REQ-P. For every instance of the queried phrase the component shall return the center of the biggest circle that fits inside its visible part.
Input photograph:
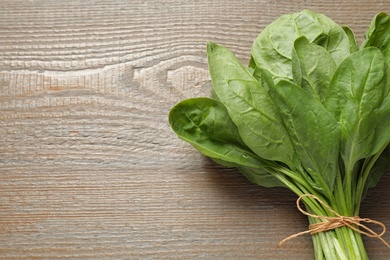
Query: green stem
(350, 239)
(330, 245)
(349, 184)
(298, 188)
(341, 243)
(341, 208)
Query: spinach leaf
(356, 98)
(263, 76)
(312, 67)
(205, 124)
(265, 79)
(381, 165)
(224, 66)
(251, 65)
(314, 132)
(353, 46)
(272, 49)
(378, 34)
(261, 177)
(250, 107)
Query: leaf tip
(211, 46)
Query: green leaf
(250, 107)
(378, 34)
(314, 132)
(225, 163)
(358, 97)
(251, 65)
(380, 167)
(205, 124)
(272, 49)
(312, 67)
(353, 47)
(264, 77)
(261, 177)
(224, 66)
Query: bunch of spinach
(311, 113)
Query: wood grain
(89, 167)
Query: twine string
(329, 223)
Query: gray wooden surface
(89, 167)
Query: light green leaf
(378, 34)
(205, 124)
(251, 65)
(264, 77)
(314, 133)
(353, 47)
(272, 49)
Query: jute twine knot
(329, 223)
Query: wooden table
(89, 167)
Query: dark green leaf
(313, 130)
(250, 106)
(380, 167)
(312, 67)
(224, 66)
(260, 177)
(358, 97)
